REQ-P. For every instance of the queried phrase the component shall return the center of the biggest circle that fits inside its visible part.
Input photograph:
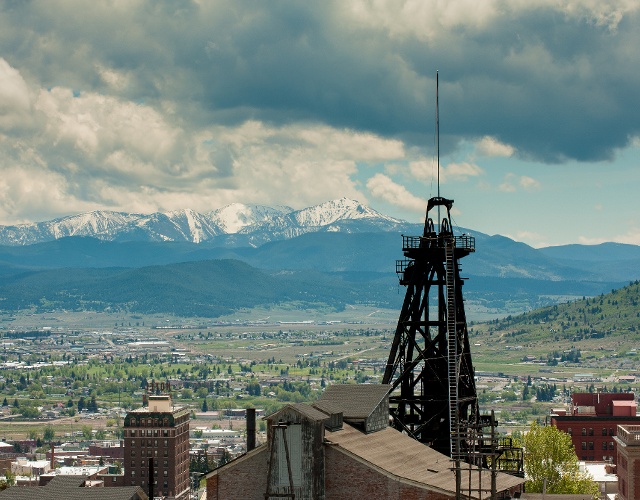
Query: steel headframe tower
(433, 395)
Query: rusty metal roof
(398, 455)
(305, 409)
(356, 401)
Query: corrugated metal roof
(407, 459)
(357, 401)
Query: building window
(133, 433)
(584, 431)
(133, 473)
(569, 431)
(584, 445)
(611, 445)
(610, 431)
(165, 433)
(590, 431)
(604, 445)
(604, 431)
(591, 445)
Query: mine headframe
(433, 395)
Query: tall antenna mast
(438, 136)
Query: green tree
(549, 458)
(205, 408)
(49, 433)
(86, 432)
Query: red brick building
(342, 447)
(156, 448)
(628, 468)
(593, 420)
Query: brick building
(342, 447)
(593, 420)
(110, 450)
(628, 468)
(156, 448)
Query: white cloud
(512, 182)
(490, 146)
(461, 171)
(631, 237)
(15, 101)
(528, 183)
(531, 238)
(426, 19)
(423, 170)
(384, 188)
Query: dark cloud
(553, 84)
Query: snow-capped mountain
(237, 216)
(250, 224)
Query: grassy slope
(605, 329)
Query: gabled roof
(306, 410)
(406, 459)
(356, 401)
(71, 488)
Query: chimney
(251, 429)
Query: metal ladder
(452, 351)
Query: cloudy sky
(144, 106)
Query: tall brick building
(593, 420)
(156, 448)
(342, 447)
(628, 468)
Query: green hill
(597, 333)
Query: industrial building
(156, 447)
(343, 447)
(593, 420)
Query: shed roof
(356, 401)
(401, 456)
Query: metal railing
(464, 242)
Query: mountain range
(332, 254)
(236, 224)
